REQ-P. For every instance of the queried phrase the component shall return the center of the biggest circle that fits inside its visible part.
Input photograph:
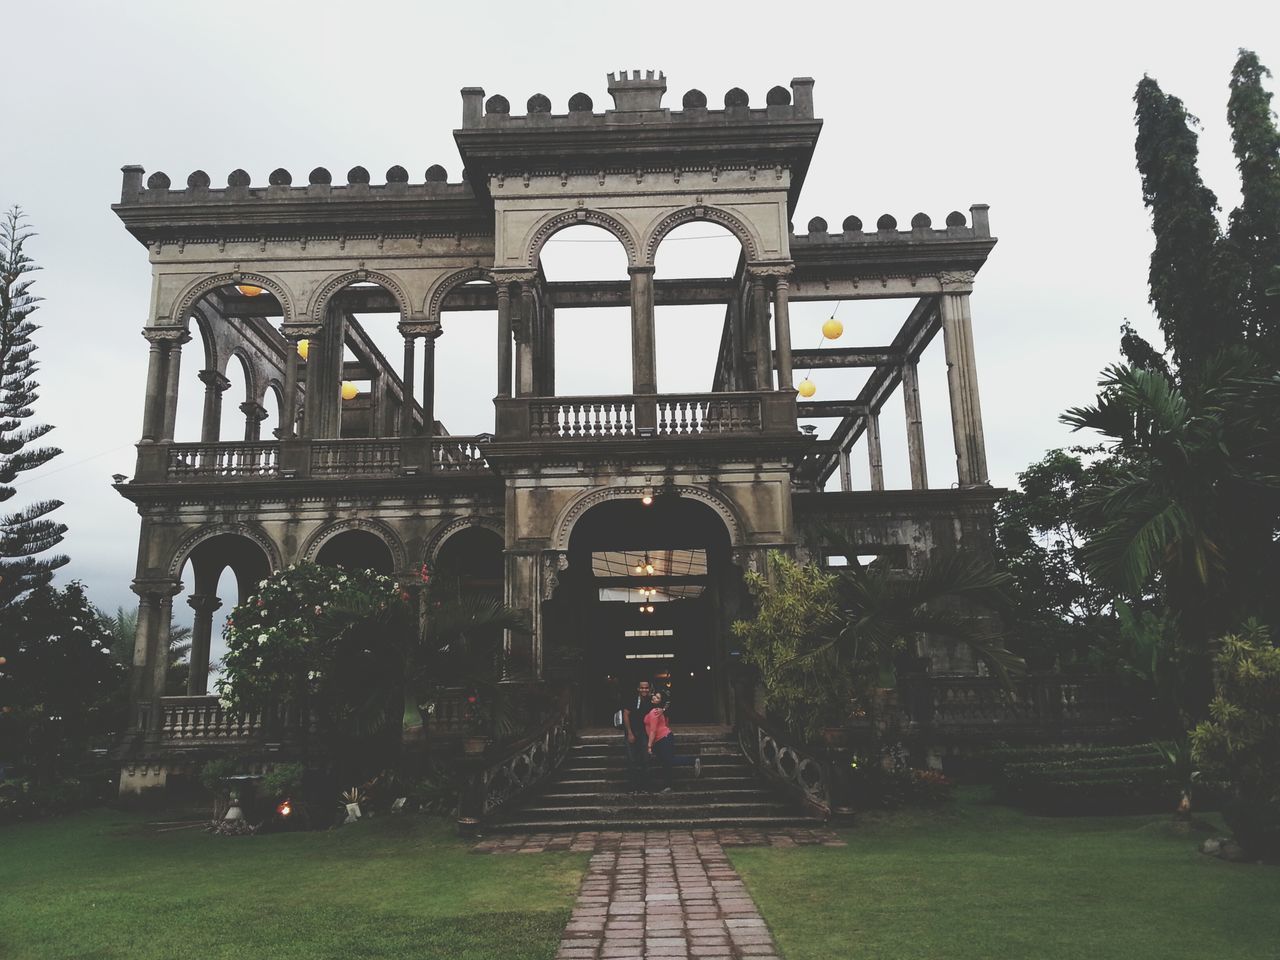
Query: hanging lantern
(349, 390)
(832, 329)
(304, 347)
(807, 388)
(248, 290)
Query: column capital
(156, 589)
(956, 281)
(254, 411)
(212, 378)
(412, 329)
(169, 334)
(293, 332)
(770, 269)
(203, 603)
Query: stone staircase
(589, 791)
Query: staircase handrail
(502, 776)
(784, 760)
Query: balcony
(745, 414)
(355, 458)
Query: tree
(1192, 509)
(1059, 610)
(828, 633)
(1191, 276)
(28, 532)
(123, 629)
(60, 687)
(1254, 230)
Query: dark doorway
(649, 593)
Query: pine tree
(1191, 277)
(1254, 229)
(28, 531)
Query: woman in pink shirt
(662, 742)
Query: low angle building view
(596, 486)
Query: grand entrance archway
(649, 592)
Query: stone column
(782, 330)
(429, 381)
(525, 336)
(406, 401)
(254, 414)
(153, 406)
(644, 363)
(962, 380)
(215, 385)
(204, 606)
(760, 326)
(846, 470)
(915, 426)
(504, 339)
(172, 368)
(874, 459)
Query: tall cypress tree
(1254, 229)
(27, 532)
(1191, 274)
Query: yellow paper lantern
(832, 329)
(249, 290)
(349, 390)
(807, 388)
(304, 347)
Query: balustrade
(355, 457)
(231, 459)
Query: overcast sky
(927, 107)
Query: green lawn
(982, 882)
(100, 885)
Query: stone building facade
(568, 491)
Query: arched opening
(592, 344)
(688, 333)
(357, 550)
(466, 359)
(471, 560)
(219, 573)
(650, 592)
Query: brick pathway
(670, 894)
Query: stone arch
(571, 218)
(732, 223)
(186, 300)
(574, 510)
(446, 285)
(256, 534)
(334, 284)
(376, 527)
(449, 528)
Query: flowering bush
(288, 643)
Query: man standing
(633, 714)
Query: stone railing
(799, 769)
(1038, 702)
(355, 458)
(642, 416)
(233, 459)
(202, 719)
(502, 776)
(460, 454)
(708, 413)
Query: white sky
(927, 107)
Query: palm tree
(123, 628)
(1192, 510)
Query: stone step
(647, 823)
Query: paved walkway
(670, 894)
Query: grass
(101, 885)
(981, 881)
